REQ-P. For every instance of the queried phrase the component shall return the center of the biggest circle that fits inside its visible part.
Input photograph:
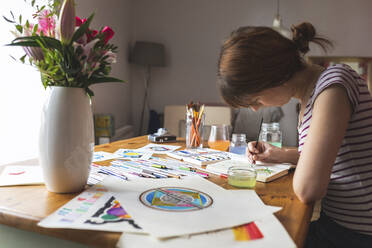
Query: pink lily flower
(79, 22)
(35, 53)
(47, 23)
(108, 33)
(66, 24)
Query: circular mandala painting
(175, 199)
(159, 148)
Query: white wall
(193, 30)
(114, 98)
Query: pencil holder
(194, 131)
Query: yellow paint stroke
(241, 233)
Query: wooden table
(24, 206)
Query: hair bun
(302, 35)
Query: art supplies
(157, 148)
(219, 138)
(93, 209)
(258, 136)
(21, 175)
(132, 154)
(163, 216)
(264, 232)
(242, 176)
(145, 166)
(266, 172)
(183, 168)
(200, 156)
(102, 156)
(95, 176)
(194, 125)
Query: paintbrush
(258, 136)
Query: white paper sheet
(158, 148)
(93, 209)
(132, 154)
(21, 175)
(274, 234)
(204, 208)
(102, 156)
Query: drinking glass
(219, 137)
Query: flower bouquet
(63, 47)
(70, 57)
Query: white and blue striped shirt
(349, 195)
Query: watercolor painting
(175, 199)
(111, 212)
(132, 154)
(247, 232)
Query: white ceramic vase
(66, 140)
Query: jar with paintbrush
(195, 117)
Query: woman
(257, 68)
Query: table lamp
(147, 54)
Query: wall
(112, 98)
(193, 30)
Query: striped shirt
(349, 195)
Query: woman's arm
(269, 153)
(330, 117)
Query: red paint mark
(253, 231)
(81, 199)
(17, 173)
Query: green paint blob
(109, 217)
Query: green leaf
(27, 24)
(34, 30)
(23, 58)
(25, 43)
(6, 19)
(97, 80)
(33, 3)
(82, 29)
(20, 19)
(19, 28)
(42, 41)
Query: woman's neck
(304, 81)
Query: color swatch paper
(93, 209)
(172, 207)
(132, 154)
(102, 156)
(21, 175)
(272, 231)
(158, 148)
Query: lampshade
(148, 53)
(278, 26)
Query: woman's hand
(264, 152)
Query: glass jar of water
(270, 133)
(238, 144)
